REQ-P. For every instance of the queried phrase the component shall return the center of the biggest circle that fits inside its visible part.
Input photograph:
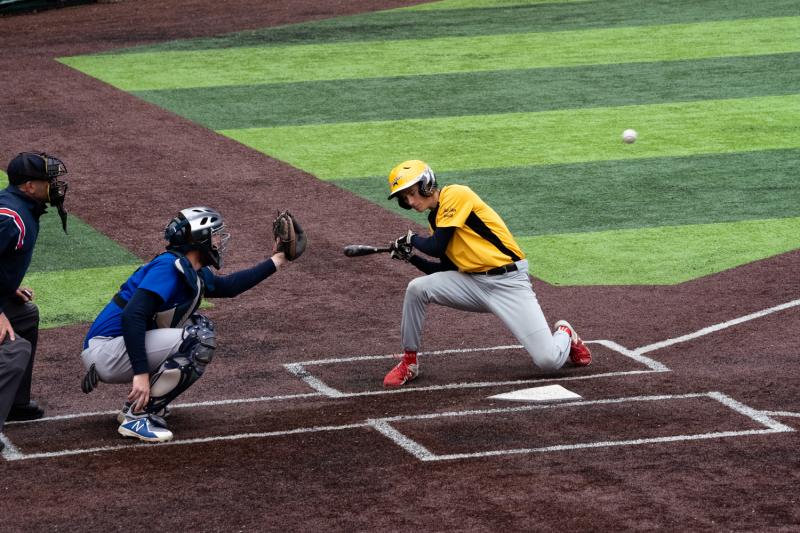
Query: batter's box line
(419, 451)
(299, 369)
(716, 327)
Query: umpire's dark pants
(16, 357)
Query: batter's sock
(410, 357)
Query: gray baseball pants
(508, 296)
(111, 360)
(16, 357)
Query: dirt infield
(678, 427)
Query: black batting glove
(401, 248)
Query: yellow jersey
(481, 240)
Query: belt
(119, 300)
(511, 267)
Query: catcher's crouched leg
(183, 368)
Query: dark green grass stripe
(404, 24)
(482, 92)
(627, 194)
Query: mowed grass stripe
(74, 275)
(657, 256)
(492, 20)
(70, 296)
(473, 93)
(284, 64)
(83, 247)
(334, 151)
(606, 195)
(480, 4)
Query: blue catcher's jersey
(172, 278)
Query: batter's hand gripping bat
(356, 250)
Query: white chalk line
(383, 426)
(716, 327)
(199, 440)
(334, 360)
(422, 453)
(411, 446)
(320, 386)
(10, 452)
(484, 384)
(568, 447)
(781, 413)
(209, 403)
(637, 354)
(322, 389)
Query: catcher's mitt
(290, 237)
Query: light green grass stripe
(657, 256)
(479, 4)
(242, 66)
(627, 194)
(67, 297)
(470, 93)
(337, 151)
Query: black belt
(511, 267)
(119, 300)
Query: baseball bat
(356, 250)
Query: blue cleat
(144, 429)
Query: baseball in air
(629, 136)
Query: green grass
(525, 102)
(70, 296)
(470, 19)
(472, 4)
(337, 151)
(74, 275)
(597, 196)
(466, 93)
(353, 60)
(648, 256)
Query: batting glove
(401, 248)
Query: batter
(481, 268)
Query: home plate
(538, 394)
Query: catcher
(150, 335)
(481, 269)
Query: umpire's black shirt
(19, 228)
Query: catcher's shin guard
(185, 367)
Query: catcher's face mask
(219, 244)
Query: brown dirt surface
(282, 456)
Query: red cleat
(405, 371)
(579, 353)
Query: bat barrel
(356, 250)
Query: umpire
(33, 183)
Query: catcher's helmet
(407, 174)
(198, 228)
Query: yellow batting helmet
(407, 174)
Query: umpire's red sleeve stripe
(13, 215)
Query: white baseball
(629, 136)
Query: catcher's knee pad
(199, 340)
(186, 366)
